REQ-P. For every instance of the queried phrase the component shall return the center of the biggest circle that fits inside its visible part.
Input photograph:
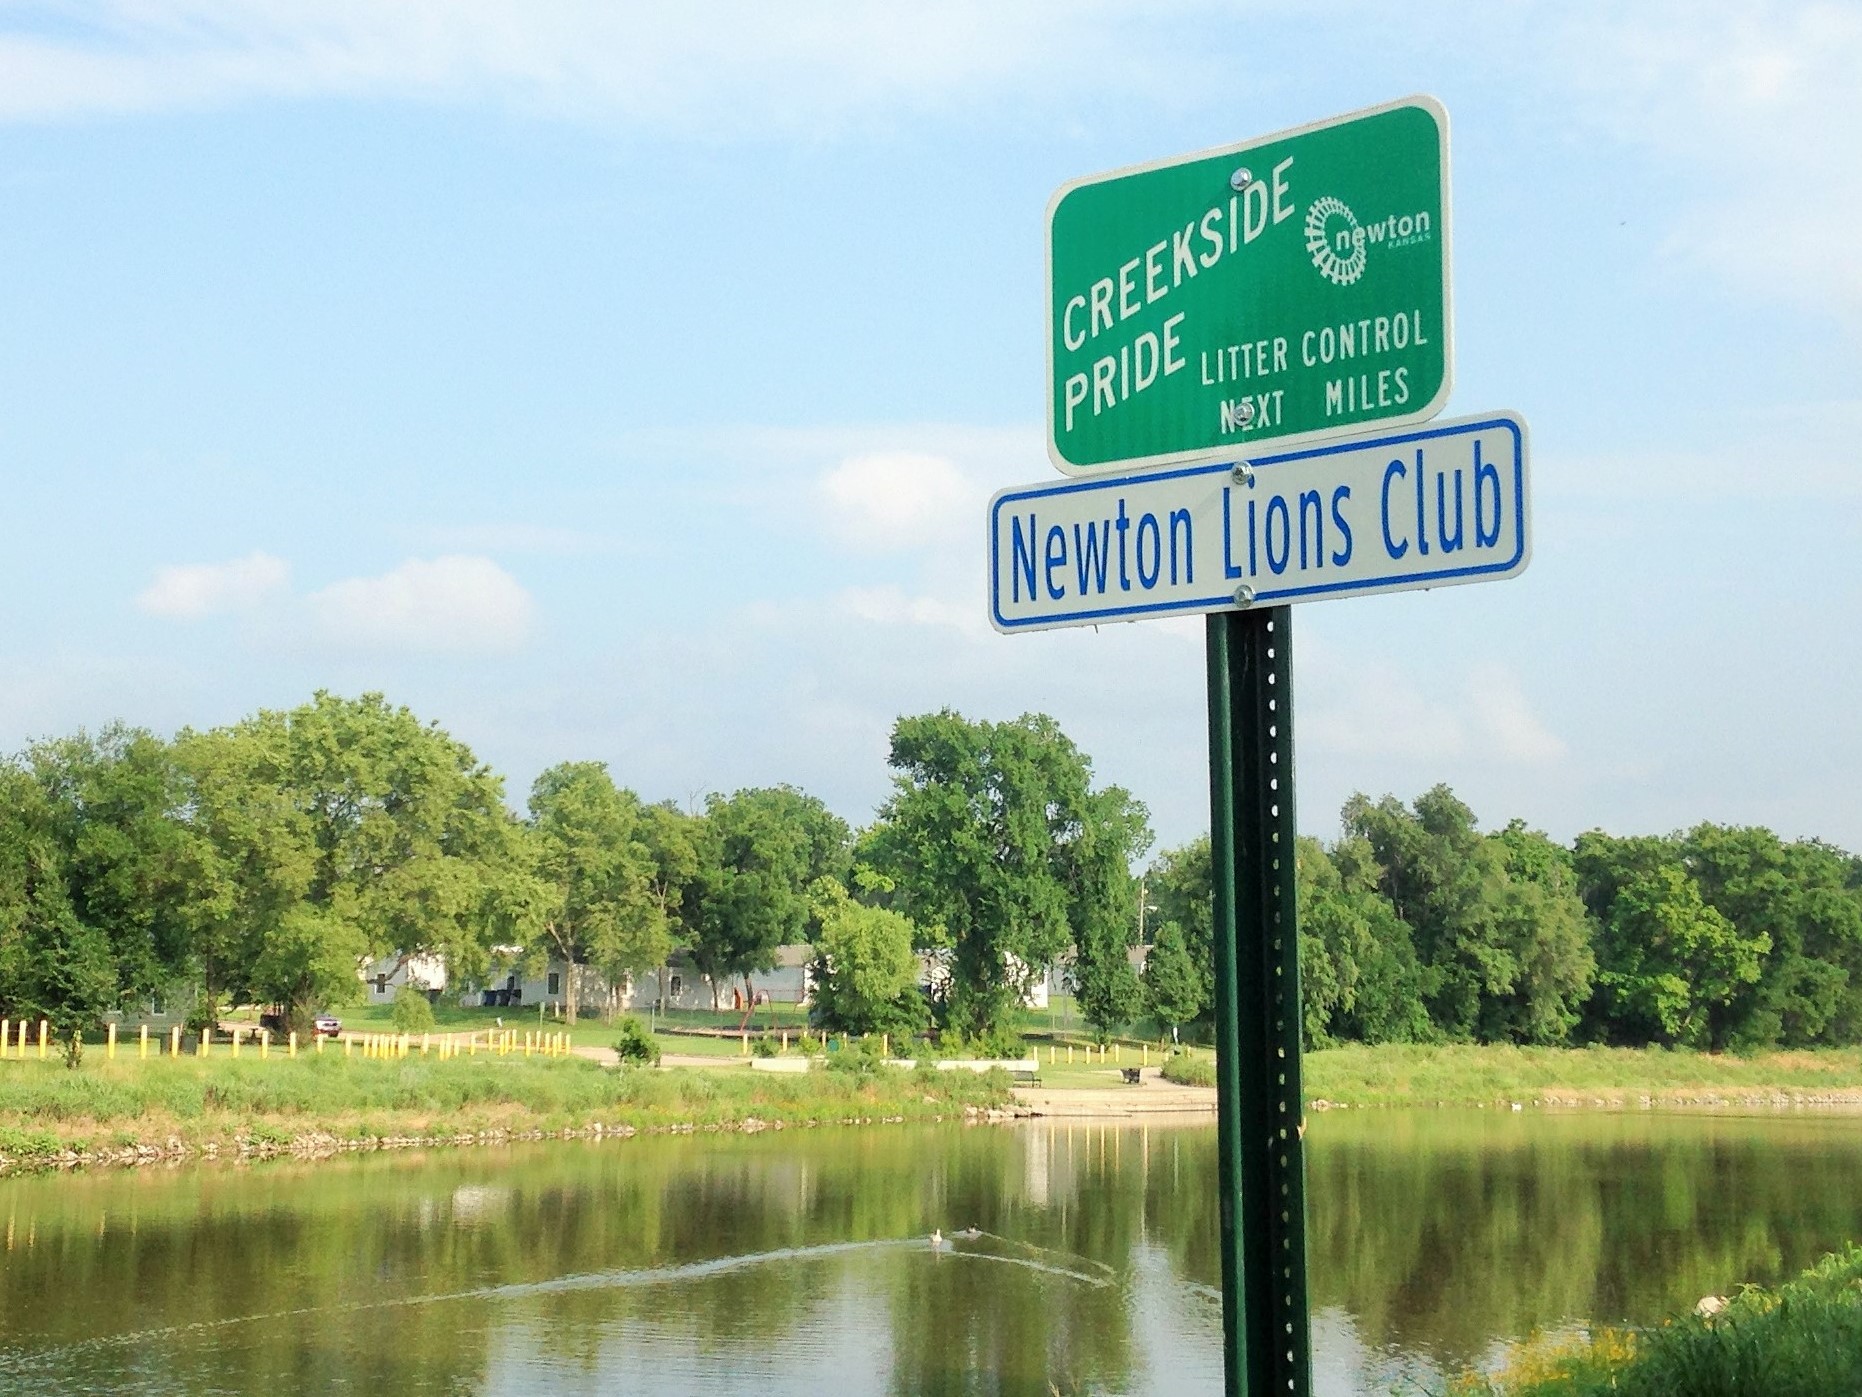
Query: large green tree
(866, 967)
(346, 828)
(758, 852)
(590, 846)
(1177, 888)
(1669, 964)
(998, 845)
(1359, 977)
(1498, 930)
(1803, 896)
(133, 865)
(53, 965)
(1172, 983)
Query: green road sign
(1279, 290)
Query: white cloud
(1502, 721)
(453, 604)
(708, 64)
(891, 606)
(1381, 713)
(888, 501)
(517, 538)
(189, 591)
(1762, 99)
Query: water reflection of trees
(1435, 1232)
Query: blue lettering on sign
(1278, 565)
(1391, 546)
(1229, 571)
(1056, 560)
(1181, 517)
(1342, 558)
(1021, 558)
(1485, 475)
(1147, 577)
(1302, 527)
(1092, 550)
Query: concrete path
(1154, 1097)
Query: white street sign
(1429, 507)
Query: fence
(17, 1040)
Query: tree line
(1415, 927)
(267, 860)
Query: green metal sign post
(1288, 289)
(1266, 1333)
(1284, 289)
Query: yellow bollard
(526, 1043)
(785, 1040)
(346, 1041)
(174, 1041)
(423, 1044)
(885, 1045)
(293, 1043)
(109, 1040)
(1118, 1052)
(1144, 1054)
(206, 1042)
(317, 1038)
(45, 1033)
(236, 1033)
(142, 1042)
(265, 1043)
(1069, 1052)
(471, 1045)
(5, 1028)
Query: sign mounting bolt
(1244, 595)
(1241, 179)
(1243, 473)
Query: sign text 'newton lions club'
(1426, 507)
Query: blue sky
(628, 383)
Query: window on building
(158, 1004)
(677, 986)
(555, 982)
(381, 984)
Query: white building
(679, 984)
(386, 976)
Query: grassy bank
(51, 1115)
(1465, 1075)
(1803, 1339)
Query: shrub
(412, 1012)
(1001, 1042)
(766, 1046)
(862, 1056)
(635, 1042)
(1188, 1071)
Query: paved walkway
(1154, 1097)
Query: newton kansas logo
(1339, 244)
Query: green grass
(585, 1032)
(1803, 1339)
(46, 1108)
(1469, 1075)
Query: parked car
(328, 1025)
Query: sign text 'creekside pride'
(1286, 289)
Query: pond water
(796, 1262)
